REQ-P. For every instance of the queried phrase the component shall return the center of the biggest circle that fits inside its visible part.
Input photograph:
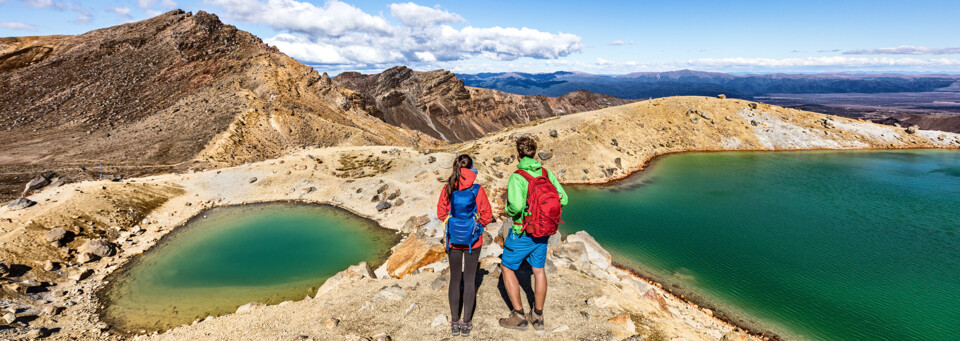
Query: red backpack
(543, 205)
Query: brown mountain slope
(174, 91)
(437, 103)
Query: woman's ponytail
(453, 183)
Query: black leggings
(463, 266)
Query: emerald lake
(229, 256)
(825, 245)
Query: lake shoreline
(725, 312)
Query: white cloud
(169, 4)
(912, 50)
(334, 18)
(121, 11)
(339, 34)
(13, 25)
(414, 15)
(84, 16)
(603, 62)
(146, 3)
(835, 61)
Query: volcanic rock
(99, 247)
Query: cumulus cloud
(121, 11)
(334, 18)
(912, 50)
(411, 14)
(84, 16)
(19, 26)
(338, 33)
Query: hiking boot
(535, 320)
(515, 321)
(455, 328)
(465, 328)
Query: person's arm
(484, 212)
(560, 191)
(443, 204)
(516, 196)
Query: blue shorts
(517, 248)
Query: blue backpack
(462, 225)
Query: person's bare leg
(540, 287)
(513, 288)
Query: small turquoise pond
(852, 245)
(229, 256)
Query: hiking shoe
(515, 321)
(535, 320)
(465, 328)
(455, 328)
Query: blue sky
(546, 36)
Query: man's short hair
(526, 147)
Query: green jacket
(517, 191)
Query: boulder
(439, 320)
(20, 204)
(331, 323)
(597, 255)
(354, 272)
(383, 205)
(912, 129)
(414, 222)
(634, 285)
(553, 133)
(55, 235)
(413, 253)
(603, 301)
(754, 123)
(252, 179)
(752, 105)
(576, 253)
(431, 159)
(35, 184)
(736, 336)
(439, 283)
(722, 96)
(9, 318)
(246, 308)
(391, 293)
(657, 299)
(80, 274)
(37, 333)
(398, 202)
(48, 265)
(99, 247)
(362, 269)
(624, 322)
(60, 181)
(618, 162)
(85, 257)
(544, 155)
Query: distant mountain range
(643, 85)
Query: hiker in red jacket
(464, 208)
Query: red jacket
(484, 213)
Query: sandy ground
(583, 151)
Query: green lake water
(229, 256)
(855, 245)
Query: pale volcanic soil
(588, 298)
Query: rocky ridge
(173, 92)
(438, 104)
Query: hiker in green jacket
(519, 245)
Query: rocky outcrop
(439, 104)
(413, 253)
